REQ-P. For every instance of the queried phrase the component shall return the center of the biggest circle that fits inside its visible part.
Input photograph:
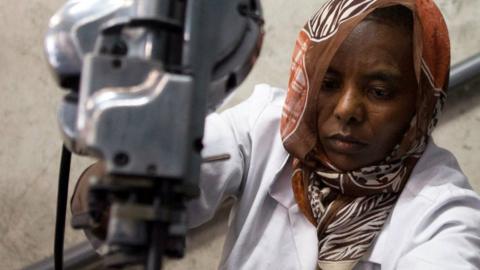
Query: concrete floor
(30, 143)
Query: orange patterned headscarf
(350, 208)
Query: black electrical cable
(62, 196)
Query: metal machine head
(143, 74)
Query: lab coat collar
(281, 189)
(304, 233)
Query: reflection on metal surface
(465, 71)
(111, 97)
(73, 30)
(221, 157)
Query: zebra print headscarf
(350, 208)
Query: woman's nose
(350, 108)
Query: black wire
(62, 197)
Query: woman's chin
(346, 163)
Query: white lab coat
(434, 225)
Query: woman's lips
(345, 144)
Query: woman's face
(368, 95)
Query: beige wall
(30, 143)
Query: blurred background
(30, 143)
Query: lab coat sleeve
(449, 236)
(226, 133)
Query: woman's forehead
(376, 45)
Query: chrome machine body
(141, 76)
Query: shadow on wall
(461, 100)
(463, 94)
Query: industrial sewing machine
(141, 75)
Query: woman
(352, 137)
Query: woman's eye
(330, 84)
(380, 93)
